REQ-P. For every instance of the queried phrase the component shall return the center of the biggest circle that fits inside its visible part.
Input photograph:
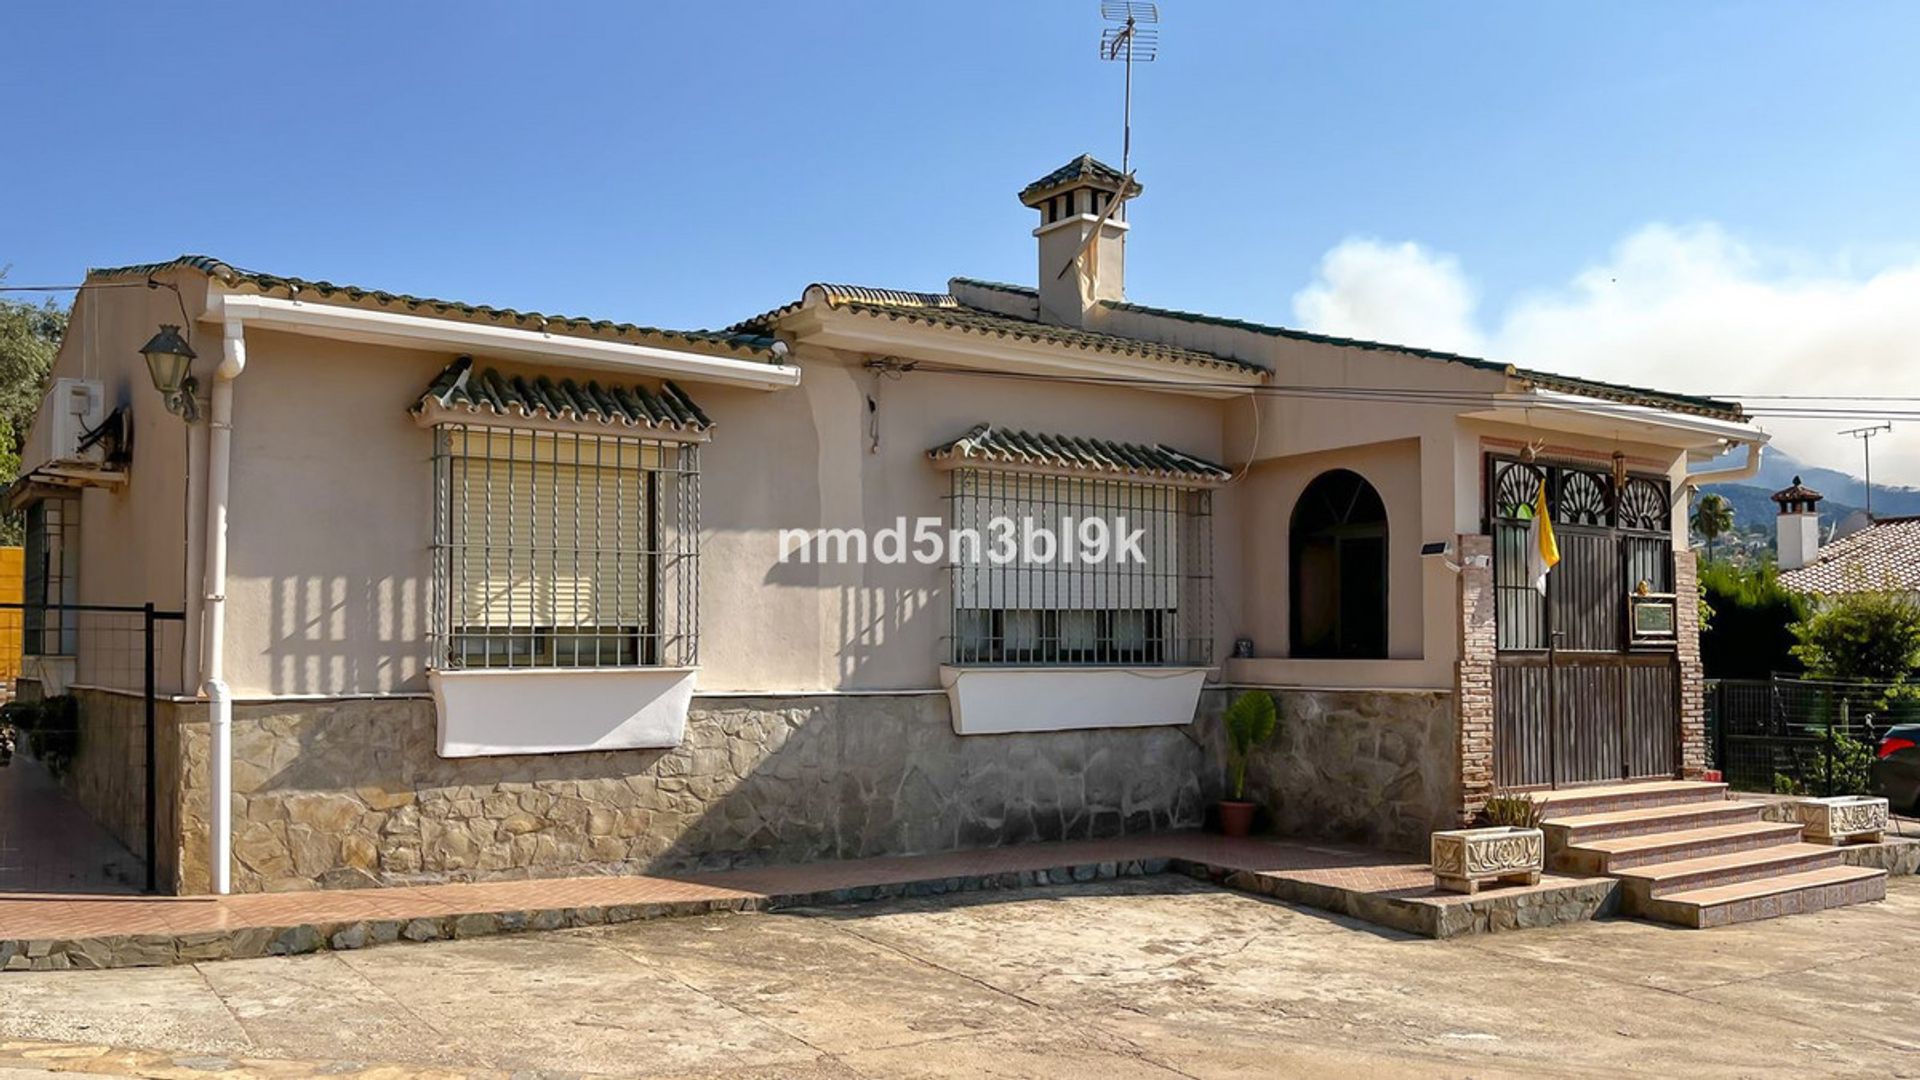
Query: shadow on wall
(333, 631)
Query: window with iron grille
(50, 573)
(564, 549)
(1062, 607)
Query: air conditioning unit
(72, 408)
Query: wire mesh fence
(82, 711)
(1800, 736)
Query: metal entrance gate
(84, 715)
(1586, 685)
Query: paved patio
(1160, 977)
(54, 932)
(48, 844)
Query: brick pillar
(1473, 674)
(1693, 684)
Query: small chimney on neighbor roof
(1798, 526)
(1083, 238)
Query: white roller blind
(1069, 580)
(543, 534)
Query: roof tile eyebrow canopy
(990, 445)
(461, 389)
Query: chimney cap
(1083, 171)
(1797, 497)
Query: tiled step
(1564, 832)
(1792, 894)
(1614, 797)
(1610, 856)
(1656, 880)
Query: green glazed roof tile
(460, 387)
(991, 445)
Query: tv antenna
(1865, 435)
(1134, 36)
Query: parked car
(1896, 767)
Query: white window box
(487, 712)
(996, 700)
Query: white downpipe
(233, 360)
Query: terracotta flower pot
(1236, 818)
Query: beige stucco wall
(330, 576)
(132, 541)
(330, 573)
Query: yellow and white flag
(1543, 551)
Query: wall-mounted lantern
(169, 358)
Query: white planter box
(491, 711)
(1008, 700)
(1463, 859)
(1842, 819)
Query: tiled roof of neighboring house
(1884, 555)
(993, 445)
(757, 345)
(459, 387)
(941, 309)
(1632, 395)
(1085, 167)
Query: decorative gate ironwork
(1586, 684)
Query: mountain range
(1753, 507)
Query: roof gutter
(532, 346)
(1732, 474)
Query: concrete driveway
(1159, 977)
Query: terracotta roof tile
(459, 387)
(1884, 555)
(943, 310)
(757, 345)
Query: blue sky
(689, 164)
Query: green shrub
(1747, 622)
(52, 728)
(1871, 636)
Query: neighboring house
(489, 593)
(1878, 555)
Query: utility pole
(1865, 435)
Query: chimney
(1073, 201)
(1798, 526)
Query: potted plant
(1507, 846)
(1250, 721)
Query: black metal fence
(84, 710)
(1799, 736)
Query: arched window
(1339, 544)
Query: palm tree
(1712, 519)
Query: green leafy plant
(1871, 636)
(1250, 722)
(52, 728)
(1746, 622)
(1516, 809)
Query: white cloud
(1688, 309)
(1391, 292)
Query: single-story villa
(475, 593)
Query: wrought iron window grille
(1067, 611)
(564, 549)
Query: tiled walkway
(94, 931)
(48, 844)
